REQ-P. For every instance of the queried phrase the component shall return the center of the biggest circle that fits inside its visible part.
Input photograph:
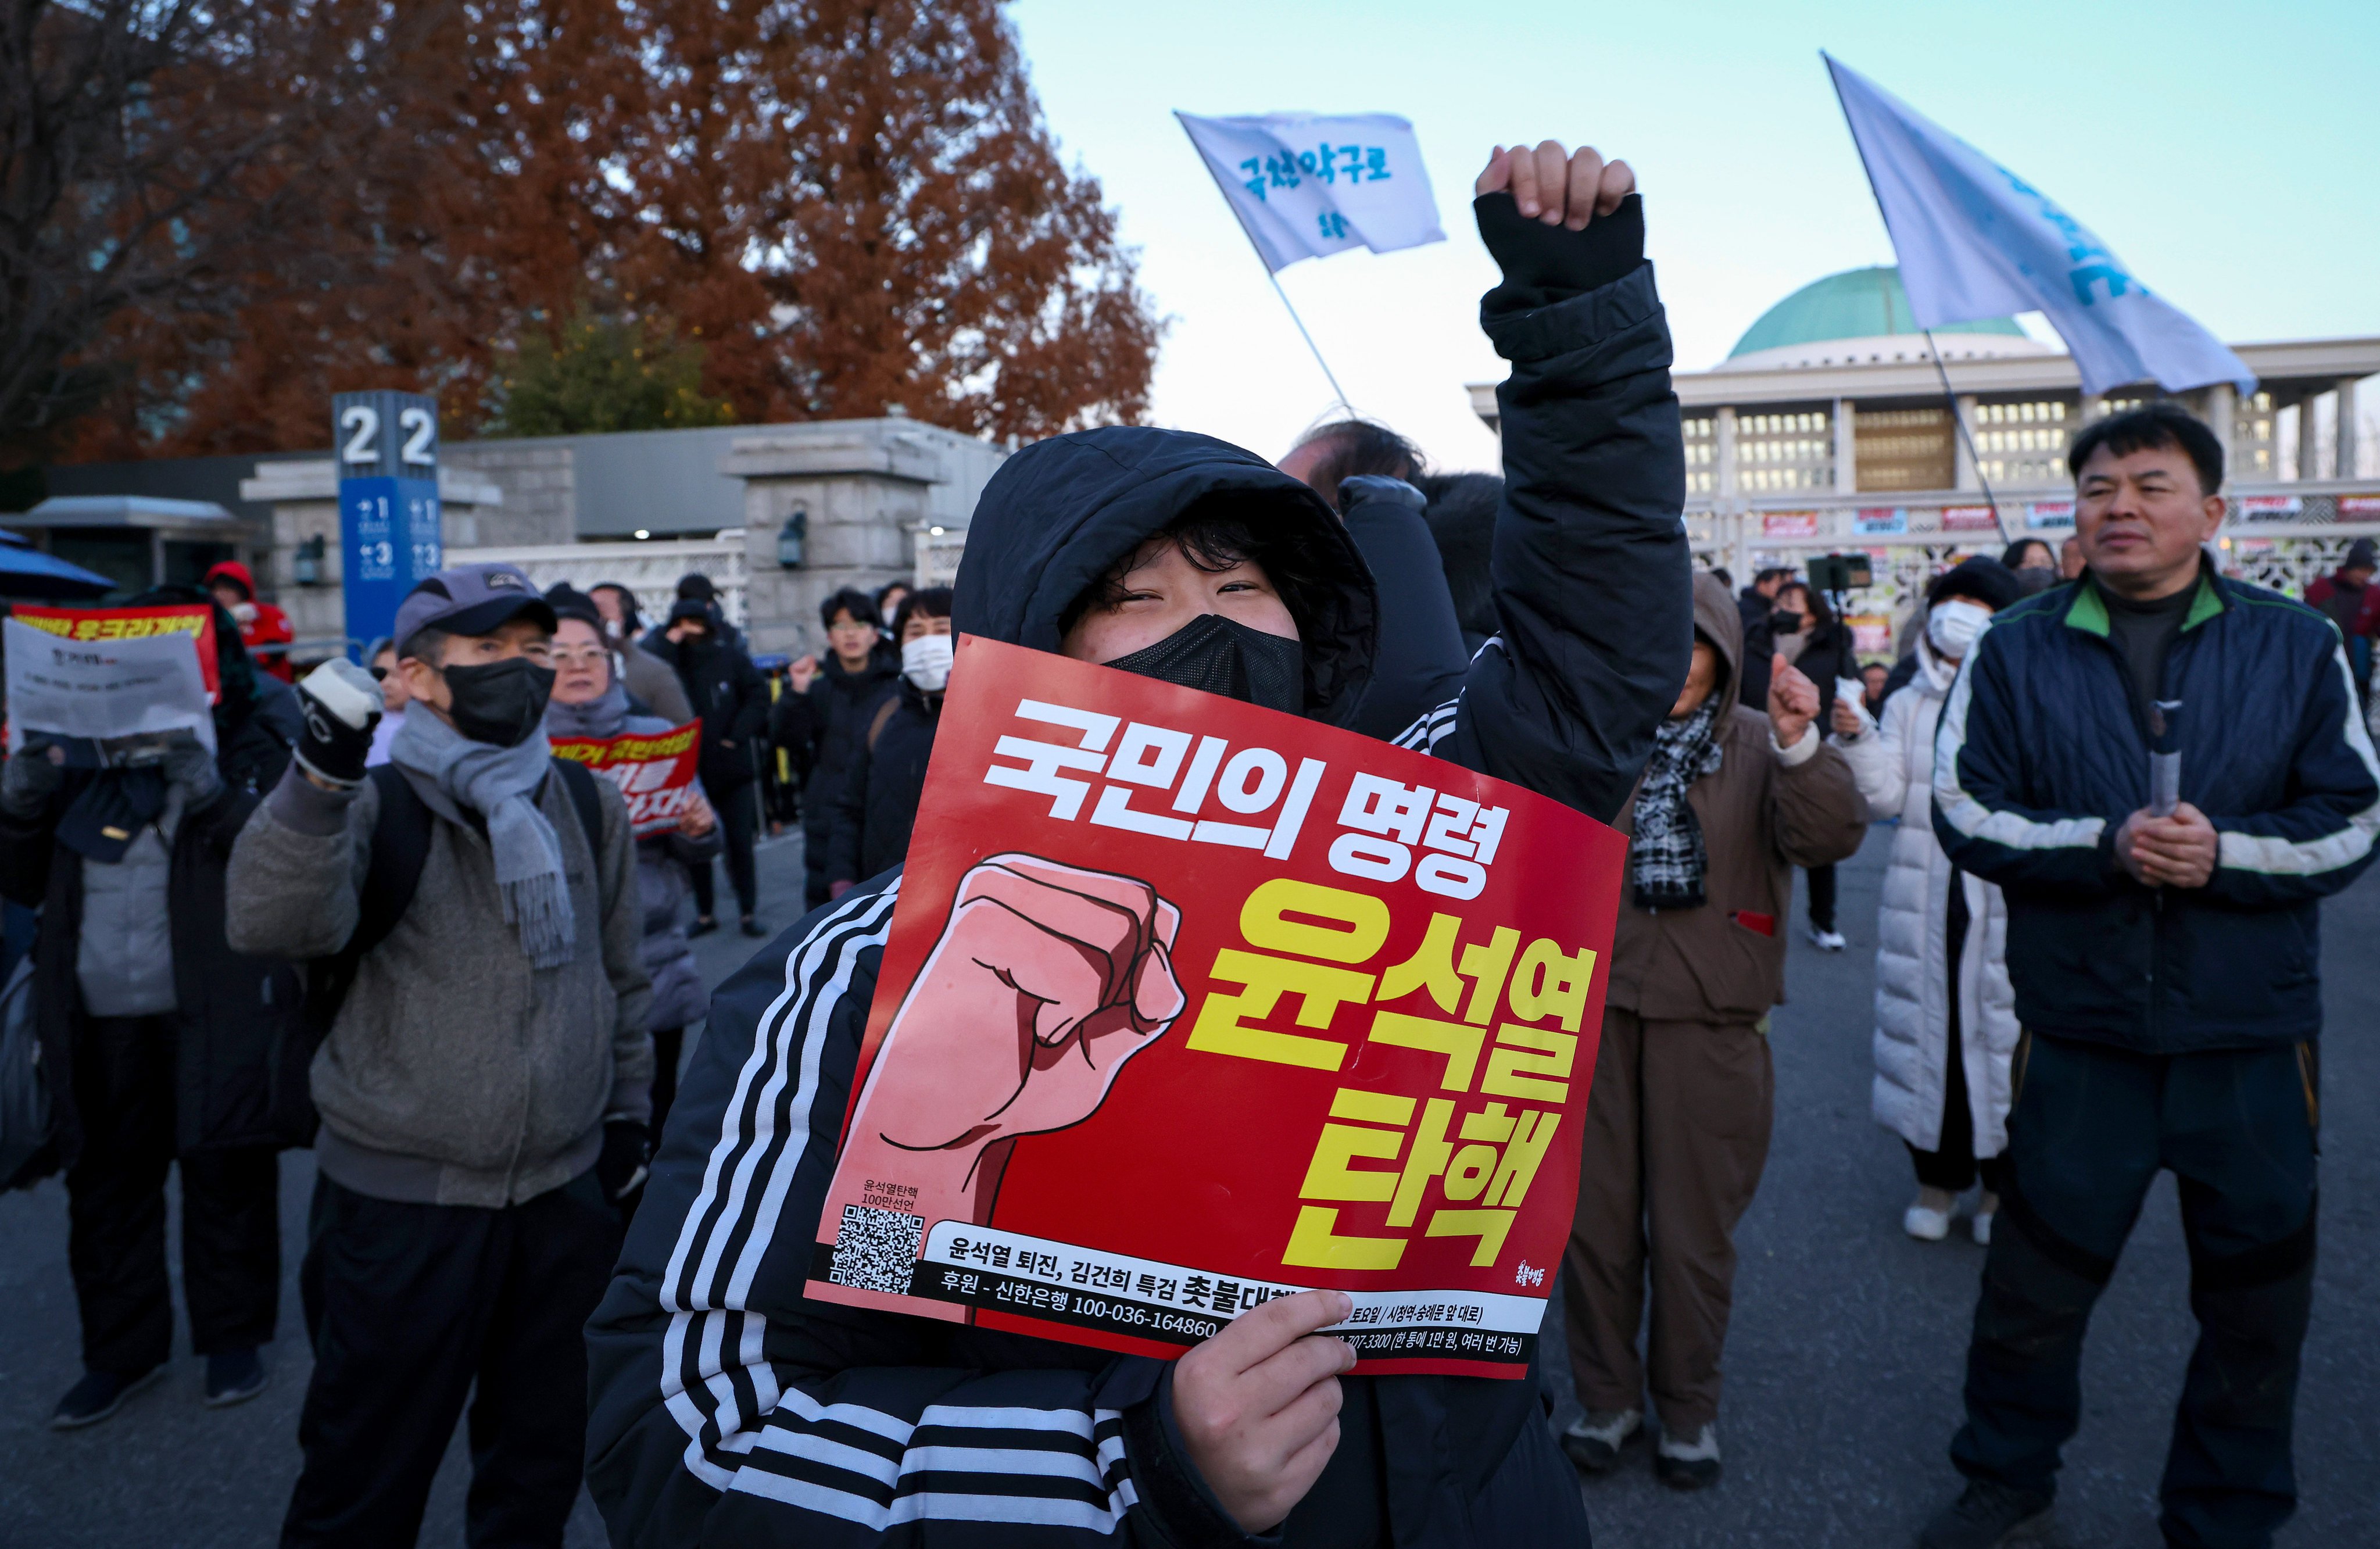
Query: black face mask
(502, 702)
(1217, 656)
(1784, 621)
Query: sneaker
(233, 1377)
(1986, 1208)
(1986, 1515)
(1688, 1462)
(1594, 1442)
(1827, 941)
(1929, 1219)
(99, 1395)
(702, 926)
(752, 927)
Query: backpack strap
(579, 781)
(883, 715)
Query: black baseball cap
(469, 600)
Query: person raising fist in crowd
(730, 1411)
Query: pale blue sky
(2225, 151)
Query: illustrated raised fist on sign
(1046, 979)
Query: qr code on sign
(877, 1250)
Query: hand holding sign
(1258, 1405)
(1046, 979)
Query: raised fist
(342, 704)
(1046, 979)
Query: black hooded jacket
(727, 1409)
(823, 726)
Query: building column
(2309, 462)
(2221, 410)
(2344, 462)
(860, 505)
(1723, 433)
(1846, 447)
(1962, 455)
(305, 501)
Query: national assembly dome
(1862, 317)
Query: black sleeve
(26, 845)
(849, 820)
(1590, 563)
(1420, 660)
(751, 703)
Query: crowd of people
(380, 918)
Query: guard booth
(136, 541)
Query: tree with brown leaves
(850, 206)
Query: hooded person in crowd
(727, 691)
(650, 680)
(155, 1037)
(1364, 472)
(483, 1075)
(1462, 516)
(833, 705)
(588, 700)
(730, 1411)
(1945, 1016)
(1678, 1116)
(876, 804)
(1805, 630)
(2347, 599)
(264, 629)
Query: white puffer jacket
(1894, 762)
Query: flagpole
(1339, 392)
(1961, 421)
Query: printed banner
(2050, 515)
(1880, 519)
(1969, 519)
(2270, 508)
(1790, 524)
(194, 619)
(655, 773)
(1188, 1005)
(125, 686)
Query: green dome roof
(1855, 304)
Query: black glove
(342, 705)
(32, 777)
(1364, 488)
(621, 1169)
(1545, 264)
(190, 765)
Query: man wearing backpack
(482, 1083)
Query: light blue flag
(1305, 185)
(1975, 241)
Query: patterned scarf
(1667, 860)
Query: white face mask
(1951, 626)
(925, 662)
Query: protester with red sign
(729, 1410)
(155, 1034)
(1677, 1125)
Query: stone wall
(541, 498)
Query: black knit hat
(1984, 579)
(568, 601)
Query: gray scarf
(1666, 859)
(603, 717)
(500, 784)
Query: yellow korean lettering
(1358, 923)
(1491, 1123)
(1552, 983)
(1329, 1175)
(1542, 1077)
(1519, 1168)
(1467, 1175)
(1428, 1157)
(1430, 967)
(1487, 1226)
(1223, 1021)
(1458, 1042)
(1485, 968)
(1314, 1243)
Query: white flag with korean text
(1306, 184)
(1976, 241)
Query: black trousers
(115, 1212)
(1952, 1165)
(737, 811)
(1822, 896)
(2093, 1127)
(409, 1306)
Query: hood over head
(1060, 512)
(234, 572)
(1719, 621)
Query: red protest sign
(194, 619)
(655, 771)
(1187, 1004)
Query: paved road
(1842, 1370)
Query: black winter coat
(1420, 657)
(820, 727)
(877, 807)
(732, 698)
(728, 1410)
(229, 1009)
